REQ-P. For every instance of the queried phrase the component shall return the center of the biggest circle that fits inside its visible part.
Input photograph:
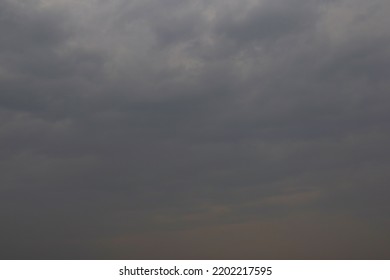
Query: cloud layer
(131, 125)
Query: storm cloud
(149, 129)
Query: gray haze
(150, 129)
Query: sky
(194, 129)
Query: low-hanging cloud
(140, 120)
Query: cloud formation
(128, 123)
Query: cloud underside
(194, 129)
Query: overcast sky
(194, 129)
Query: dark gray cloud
(127, 125)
